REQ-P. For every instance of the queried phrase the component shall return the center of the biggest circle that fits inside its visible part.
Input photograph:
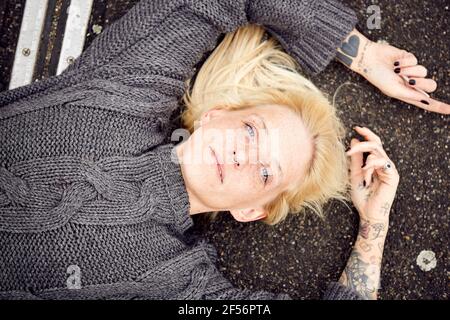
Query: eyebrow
(261, 119)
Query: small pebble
(426, 260)
(97, 29)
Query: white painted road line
(75, 32)
(28, 43)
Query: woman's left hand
(394, 71)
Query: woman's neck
(195, 205)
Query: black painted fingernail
(364, 183)
(412, 82)
(396, 63)
(425, 102)
(397, 70)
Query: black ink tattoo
(357, 277)
(371, 231)
(344, 59)
(378, 229)
(386, 208)
(349, 49)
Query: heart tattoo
(349, 49)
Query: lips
(219, 166)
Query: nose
(244, 155)
(237, 162)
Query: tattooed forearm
(362, 276)
(362, 273)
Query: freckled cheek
(245, 185)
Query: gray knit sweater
(91, 204)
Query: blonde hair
(249, 69)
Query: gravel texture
(302, 254)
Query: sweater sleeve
(166, 39)
(337, 291)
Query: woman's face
(240, 160)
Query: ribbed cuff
(337, 291)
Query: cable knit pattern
(44, 194)
(88, 176)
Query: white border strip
(28, 43)
(75, 32)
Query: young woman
(94, 198)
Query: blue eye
(250, 129)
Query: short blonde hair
(248, 68)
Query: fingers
(427, 85)
(414, 71)
(379, 165)
(368, 134)
(430, 104)
(407, 92)
(415, 94)
(356, 161)
(375, 162)
(416, 85)
(367, 146)
(373, 143)
(408, 60)
(368, 176)
(371, 164)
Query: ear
(247, 215)
(210, 114)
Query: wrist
(361, 64)
(354, 52)
(372, 219)
(373, 229)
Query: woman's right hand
(373, 186)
